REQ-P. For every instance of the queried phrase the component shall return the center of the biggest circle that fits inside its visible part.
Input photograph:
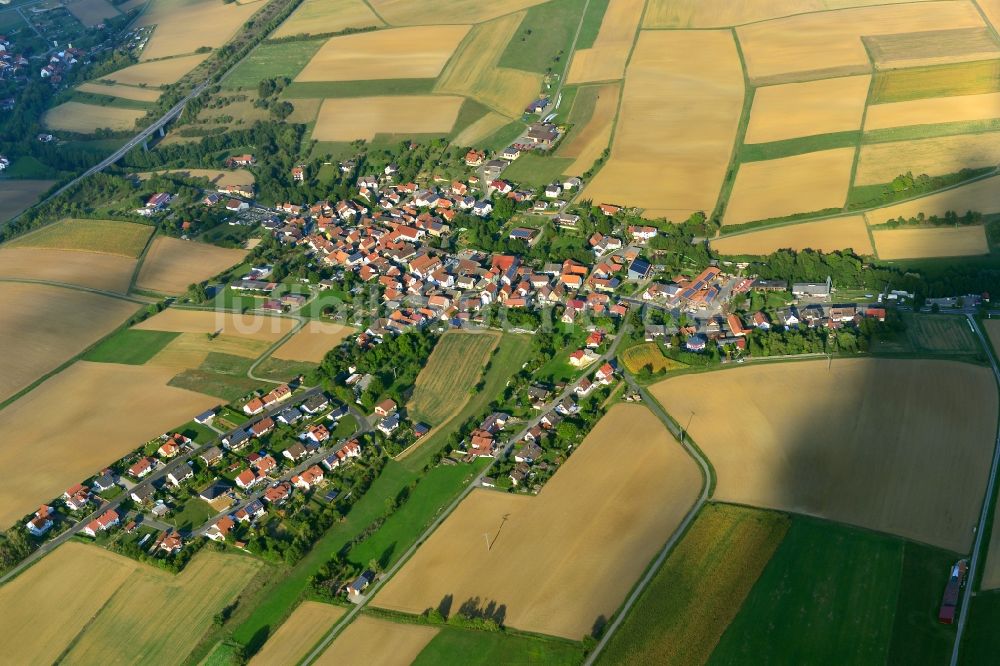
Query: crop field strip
(316, 17)
(725, 13)
(313, 342)
(87, 118)
(827, 235)
(605, 60)
(156, 73)
(452, 371)
(366, 117)
(127, 239)
(820, 107)
(171, 264)
(184, 26)
(593, 116)
(374, 641)
(303, 628)
(110, 272)
(431, 12)
(918, 243)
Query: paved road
(963, 612)
(475, 483)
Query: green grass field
(966, 78)
(909, 132)
(932, 335)
(282, 371)
(755, 152)
(680, 616)
(221, 375)
(191, 515)
(591, 24)
(107, 236)
(543, 39)
(270, 61)
(199, 433)
(537, 170)
(981, 640)
(468, 647)
(130, 347)
(917, 636)
(108, 100)
(310, 89)
(503, 137)
(451, 372)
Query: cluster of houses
(59, 62)
(155, 204)
(12, 65)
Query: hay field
(42, 327)
(474, 72)
(865, 442)
(183, 26)
(368, 640)
(789, 185)
(571, 554)
(932, 47)
(110, 272)
(159, 73)
(687, 145)
(934, 110)
(171, 264)
(158, 617)
(250, 326)
(586, 142)
(16, 195)
(189, 350)
(317, 17)
(724, 13)
(930, 242)
(434, 12)
(792, 110)
(419, 52)
(810, 46)
(313, 342)
(298, 633)
(218, 177)
(480, 129)
(88, 118)
(445, 383)
(105, 236)
(605, 60)
(881, 162)
(119, 90)
(648, 353)
(982, 196)
(364, 117)
(81, 419)
(56, 598)
(91, 12)
(838, 233)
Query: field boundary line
(732, 169)
(989, 24)
(141, 259)
(851, 184)
(77, 287)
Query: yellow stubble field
(434, 12)
(480, 129)
(171, 264)
(932, 47)
(723, 13)
(587, 142)
(368, 640)
(810, 46)
(97, 270)
(790, 185)
(83, 418)
(218, 177)
(918, 243)
(881, 162)
(316, 17)
(605, 60)
(933, 110)
(364, 117)
(418, 52)
(792, 110)
(158, 73)
(250, 326)
(838, 233)
(297, 634)
(668, 157)
(183, 26)
(982, 196)
(118, 90)
(43, 326)
(313, 342)
(87, 118)
(861, 441)
(586, 537)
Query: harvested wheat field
(218, 177)
(790, 185)
(585, 538)
(930, 242)
(376, 642)
(811, 46)
(687, 145)
(418, 52)
(861, 441)
(110, 272)
(364, 117)
(184, 26)
(56, 598)
(991, 8)
(318, 17)
(474, 72)
(588, 140)
(934, 110)
(104, 411)
(724, 13)
(933, 47)
(88, 118)
(820, 107)
(189, 350)
(106, 236)
(43, 327)
(982, 196)
(16, 195)
(881, 162)
(157, 617)
(298, 633)
(445, 383)
(172, 265)
(434, 12)
(838, 233)
(159, 73)
(313, 342)
(480, 129)
(605, 60)
(101, 87)
(91, 12)
(250, 326)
